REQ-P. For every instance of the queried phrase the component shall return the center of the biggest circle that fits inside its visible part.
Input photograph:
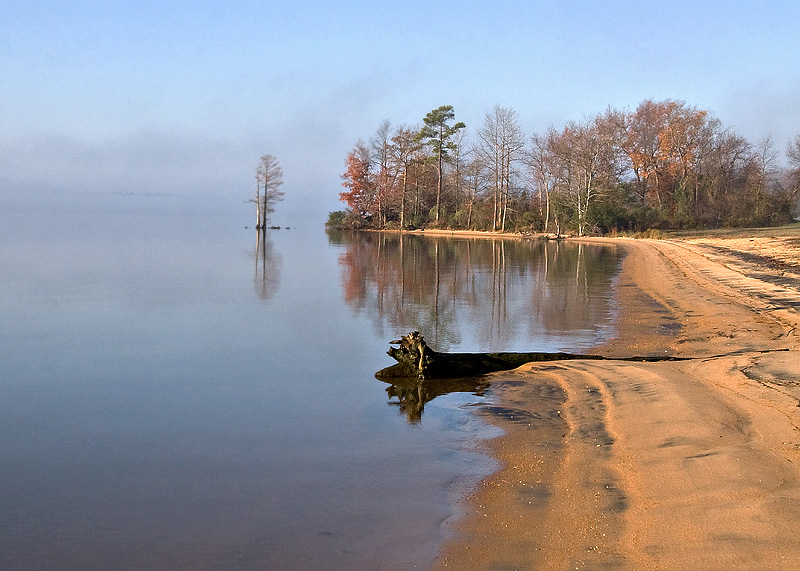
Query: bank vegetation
(664, 165)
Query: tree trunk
(403, 200)
(258, 205)
(547, 211)
(439, 188)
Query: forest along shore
(671, 465)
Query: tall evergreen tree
(437, 134)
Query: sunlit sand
(672, 465)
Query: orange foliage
(360, 196)
(663, 141)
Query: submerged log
(416, 360)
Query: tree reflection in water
(478, 294)
(267, 278)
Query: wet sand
(671, 465)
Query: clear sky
(181, 98)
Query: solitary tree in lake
(437, 134)
(269, 178)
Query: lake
(176, 393)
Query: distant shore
(673, 465)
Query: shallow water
(175, 394)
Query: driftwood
(416, 360)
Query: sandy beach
(690, 464)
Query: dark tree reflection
(410, 397)
(267, 278)
(478, 294)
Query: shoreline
(692, 464)
(455, 233)
(476, 234)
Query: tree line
(663, 165)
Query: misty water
(177, 394)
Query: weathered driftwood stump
(413, 357)
(416, 360)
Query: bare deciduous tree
(269, 178)
(403, 149)
(502, 142)
(793, 153)
(542, 168)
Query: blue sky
(180, 98)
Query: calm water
(176, 395)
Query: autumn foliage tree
(358, 180)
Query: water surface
(175, 393)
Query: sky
(175, 101)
